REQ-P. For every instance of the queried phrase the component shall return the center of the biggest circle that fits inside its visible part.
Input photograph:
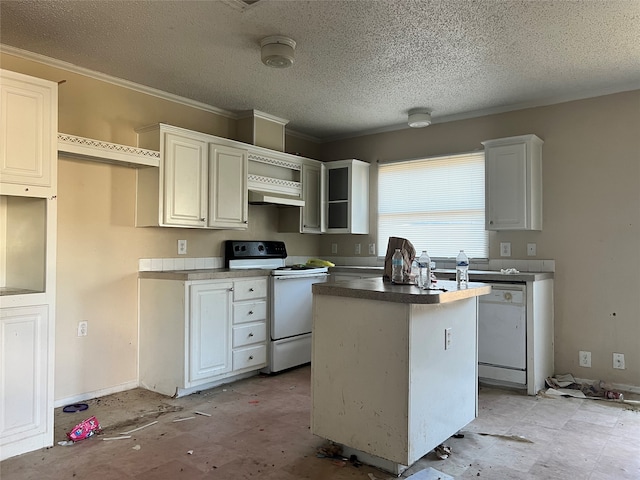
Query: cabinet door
(28, 130)
(348, 197)
(185, 180)
(506, 178)
(313, 195)
(228, 196)
(209, 330)
(26, 407)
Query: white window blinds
(437, 204)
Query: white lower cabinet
(197, 334)
(26, 405)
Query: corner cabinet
(513, 183)
(28, 222)
(201, 333)
(347, 197)
(199, 184)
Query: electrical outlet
(447, 338)
(505, 249)
(372, 249)
(585, 359)
(531, 249)
(82, 329)
(357, 249)
(182, 247)
(618, 361)
(334, 248)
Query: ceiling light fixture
(419, 117)
(278, 51)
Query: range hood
(257, 197)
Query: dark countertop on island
(377, 289)
(446, 274)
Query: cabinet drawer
(250, 357)
(248, 334)
(249, 312)
(248, 289)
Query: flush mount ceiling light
(419, 117)
(278, 51)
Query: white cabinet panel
(244, 335)
(26, 409)
(347, 197)
(249, 312)
(513, 178)
(210, 352)
(228, 195)
(28, 130)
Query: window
(435, 203)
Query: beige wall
(591, 196)
(98, 245)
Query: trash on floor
(430, 474)
(65, 443)
(202, 413)
(442, 451)
(84, 429)
(515, 438)
(183, 419)
(136, 447)
(189, 452)
(76, 407)
(139, 428)
(330, 450)
(121, 437)
(566, 385)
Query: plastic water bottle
(462, 269)
(397, 262)
(424, 272)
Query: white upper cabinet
(348, 197)
(185, 180)
(513, 183)
(228, 202)
(199, 184)
(28, 134)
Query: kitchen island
(394, 367)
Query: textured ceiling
(360, 64)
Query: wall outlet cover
(585, 359)
(618, 361)
(334, 248)
(505, 249)
(531, 249)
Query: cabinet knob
(251, 334)
(250, 357)
(202, 219)
(231, 289)
(251, 289)
(250, 312)
(246, 221)
(490, 222)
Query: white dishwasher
(502, 335)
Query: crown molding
(69, 67)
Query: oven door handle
(293, 277)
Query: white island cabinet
(196, 334)
(394, 368)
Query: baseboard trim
(95, 394)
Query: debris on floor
(566, 385)
(183, 419)
(139, 428)
(202, 413)
(330, 450)
(442, 451)
(76, 407)
(84, 429)
(430, 474)
(121, 437)
(514, 438)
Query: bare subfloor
(259, 429)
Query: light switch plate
(372, 249)
(357, 249)
(505, 249)
(334, 248)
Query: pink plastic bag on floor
(84, 429)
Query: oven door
(291, 300)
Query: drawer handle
(251, 334)
(250, 357)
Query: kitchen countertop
(377, 289)
(477, 275)
(206, 274)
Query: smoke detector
(419, 117)
(278, 51)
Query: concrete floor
(259, 429)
